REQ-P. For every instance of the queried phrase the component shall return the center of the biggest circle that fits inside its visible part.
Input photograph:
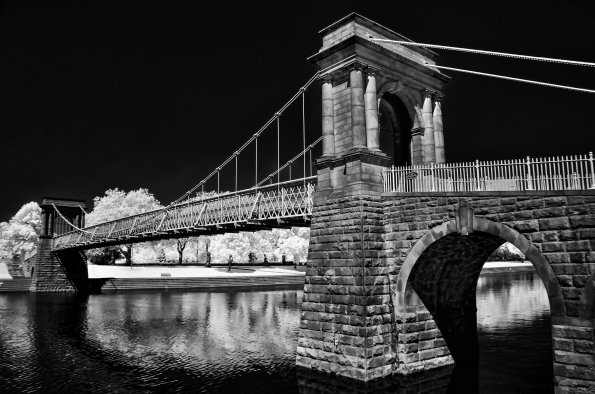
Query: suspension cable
(262, 129)
(529, 81)
(278, 148)
(256, 162)
(68, 221)
(304, 133)
(289, 162)
(492, 53)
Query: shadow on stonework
(427, 382)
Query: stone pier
(391, 278)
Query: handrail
(546, 173)
(296, 193)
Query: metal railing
(549, 173)
(279, 201)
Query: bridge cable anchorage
(529, 81)
(491, 53)
(250, 140)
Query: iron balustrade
(548, 173)
(291, 199)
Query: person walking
(229, 261)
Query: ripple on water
(215, 342)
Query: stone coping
(502, 193)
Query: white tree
(21, 234)
(116, 204)
(235, 244)
(273, 243)
(294, 244)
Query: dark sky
(96, 95)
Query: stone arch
(440, 274)
(395, 129)
(404, 94)
(507, 234)
(397, 117)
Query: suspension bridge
(398, 235)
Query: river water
(242, 342)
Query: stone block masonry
(387, 272)
(53, 272)
(347, 314)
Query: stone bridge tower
(380, 105)
(391, 277)
(55, 272)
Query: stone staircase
(168, 283)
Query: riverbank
(119, 272)
(495, 267)
(119, 278)
(109, 278)
(246, 271)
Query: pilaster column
(417, 156)
(328, 119)
(428, 139)
(44, 222)
(51, 223)
(438, 131)
(371, 105)
(358, 116)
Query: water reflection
(510, 299)
(236, 342)
(436, 381)
(513, 322)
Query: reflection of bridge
(395, 252)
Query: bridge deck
(277, 206)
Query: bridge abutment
(58, 272)
(391, 279)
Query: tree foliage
(507, 252)
(21, 234)
(116, 204)
(181, 245)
